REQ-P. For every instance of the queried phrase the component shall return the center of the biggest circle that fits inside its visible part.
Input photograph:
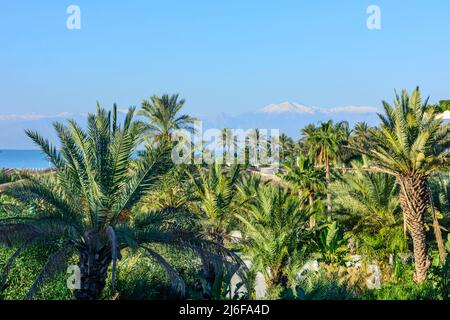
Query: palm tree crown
(325, 144)
(163, 115)
(215, 189)
(411, 139)
(275, 228)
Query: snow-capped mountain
(288, 117)
(291, 117)
(288, 107)
(293, 107)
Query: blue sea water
(23, 159)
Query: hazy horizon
(227, 59)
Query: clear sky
(222, 56)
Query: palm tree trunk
(278, 279)
(211, 269)
(327, 177)
(437, 231)
(312, 220)
(439, 240)
(414, 201)
(94, 270)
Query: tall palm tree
(303, 175)
(345, 155)
(229, 142)
(410, 144)
(324, 143)
(257, 144)
(440, 192)
(85, 204)
(163, 116)
(275, 230)
(361, 132)
(359, 139)
(214, 197)
(308, 130)
(286, 147)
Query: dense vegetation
(139, 227)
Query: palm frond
(10, 262)
(176, 280)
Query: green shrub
(404, 291)
(321, 286)
(23, 272)
(28, 265)
(140, 278)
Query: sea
(23, 159)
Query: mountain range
(288, 117)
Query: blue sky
(222, 56)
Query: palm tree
(359, 139)
(248, 187)
(440, 192)
(345, 154)
(85, 204)
(172, 192)
(214, 197)
(308, 130)
(410, 144)
(371, 208)
(257, 144)
(215, 191)
(324, 142)
(371, 195)
(163, 116)
(444, 105)
(360, 132)
(286, 147)
(229, 142)
(303, 175)
(275, 229)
